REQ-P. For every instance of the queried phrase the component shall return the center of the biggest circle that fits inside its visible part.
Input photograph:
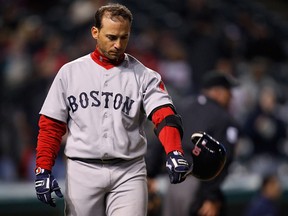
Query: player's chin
(114, 56)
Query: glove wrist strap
(40, 170)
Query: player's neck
(104, 61)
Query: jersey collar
(104, 61)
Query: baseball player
(102, 100)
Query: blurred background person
(207, 112)
(267, 132)
(266, 201)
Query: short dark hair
(114, 9)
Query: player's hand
(45, 184)
(177, 166)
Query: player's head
(112, 29)
(209, 156)
(114, 11)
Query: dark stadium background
(181, 39)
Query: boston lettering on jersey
(93, 99)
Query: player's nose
(118, 44)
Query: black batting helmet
(209, 156)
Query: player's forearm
(49, 141)
(170, 139)
(169, 136)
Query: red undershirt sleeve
(168, 136)
(49, 140)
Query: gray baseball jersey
(105, 108)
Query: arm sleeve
(49, 141)
(169, 136)
(155, 94)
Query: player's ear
(94, 32)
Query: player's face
(225, 96)
(113, 37)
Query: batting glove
(45, 184)
(177, 166)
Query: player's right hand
(177, 167)
(45, 184)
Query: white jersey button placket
(105, 115)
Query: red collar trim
(104, 61)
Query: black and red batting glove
(45, 185)
(177, 167)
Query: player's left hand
(177, 167)
(45, 185)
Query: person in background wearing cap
(209, 112)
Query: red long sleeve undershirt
(49, 141)
(168, 136)
(51, 133)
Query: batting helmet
(209, 156)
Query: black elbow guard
(171, 121)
